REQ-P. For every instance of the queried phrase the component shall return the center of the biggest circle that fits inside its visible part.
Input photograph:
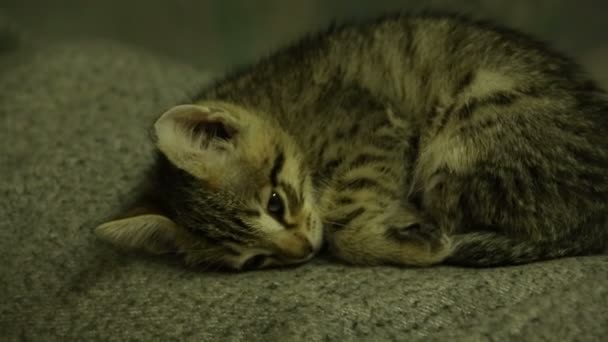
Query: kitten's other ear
(150, 232)
(195, 136)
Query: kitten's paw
(420, 232)
(424, 243)
(400, 237)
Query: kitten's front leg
(396, 235)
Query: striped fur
(413, 140)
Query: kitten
(411, 140)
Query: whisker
(335, 223)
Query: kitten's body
(416, 140)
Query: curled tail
(492, 249)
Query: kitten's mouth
(311, 248)
(300, 260)
(293, 246)
(292, 259)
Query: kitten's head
(230, 190)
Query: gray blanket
(74, 141)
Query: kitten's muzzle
(293, 245)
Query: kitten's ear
(196, 136)
(150, 232)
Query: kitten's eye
(254, 262)
(275, 205)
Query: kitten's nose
(294, 246)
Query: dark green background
(216, 35)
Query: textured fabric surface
(73, 133)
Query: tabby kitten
(411, 140)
